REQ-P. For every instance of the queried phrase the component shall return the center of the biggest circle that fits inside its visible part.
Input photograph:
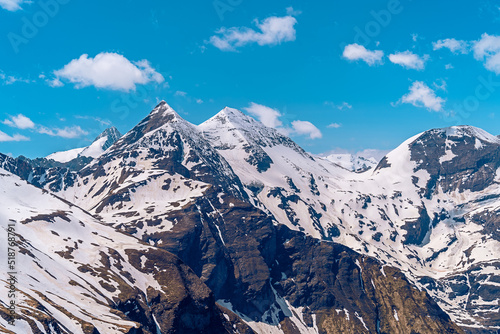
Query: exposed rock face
(255, 266)
(351, 293)
(458, 159)
(39, 172)
(54, 175)
(112, 135)
(78, 276)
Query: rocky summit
(231, 227)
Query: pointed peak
(110, 132)
(230, 117)
(164, 109)
(232, 112)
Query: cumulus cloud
(266, 115)
(12, 5)
(355, 52)
(67, 132)
(420, 95)
(20, 121)
(408, 60)
(271, 117)
(108, 71)
(306, 128)
(272, 31)
(487, 49)
(452, 44)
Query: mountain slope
(296, 243)
(422, 209)
(76, 275)
(164, 183)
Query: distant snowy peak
(65, 156)
(440, 145)
(111, 134)
(471, 131)
(352, 162)
(455, 158)
(104, 141)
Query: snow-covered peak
(230, 118)
(65, 156)
(165, 110)
(471, 131)
(162, 116)
(439, 145)
(112, 135)
(104, 141)
(352, 162)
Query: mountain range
(231, 227)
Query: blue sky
(343, 75)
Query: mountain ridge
(227, 196)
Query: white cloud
(55, 83)
(67, 132)
(5, 137)
(107, 70)
(12, 5)
(334, 126)
(452, 44)
(103, 122)
(359, 52)
(448, 66)
(422, 96)
(20, 122)
(408, 60)
(306, 128)
(180, 93)
(487, 49)
(292, 12)
(271, 117)
(266, 115)
(342, 106)
(10, 79)
(440, 84)
(273, 30)
(199, 101)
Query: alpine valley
(231, 227)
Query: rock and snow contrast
(234, 220)
(94, 150)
